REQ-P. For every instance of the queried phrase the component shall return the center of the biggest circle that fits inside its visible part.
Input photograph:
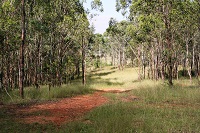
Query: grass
(112, 78)
(31, 94)
(159, 108)
(11, 126)
(126, 117)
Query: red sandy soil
(61, 111)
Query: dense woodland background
(51, 42)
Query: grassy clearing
(159, 92)
(126, 117)
(159, 109)
(112, 78)
(106, 78)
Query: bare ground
(62, 111)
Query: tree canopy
(50, 41)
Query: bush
(184, 73)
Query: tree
(22, 48)
(155, 29)
(50, 44)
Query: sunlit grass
(158, 108)
(130, 117)
(112, 78)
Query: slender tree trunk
(197, 64)
(162, 65)
(177, 67)
(143, 62)
(112, 57)
(77, 69)
(22, 47)
(170, 69)
(1, 80)
(169, 43)
(123, 58)
(144, 76)
(83, 61)
(99, 59)
(187, 61)
(193, 57)
(139, 64)
(152, 64)
(119, 58)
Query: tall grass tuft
(160, 92)
(159, 109)
(32, 94)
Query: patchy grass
(43, 94)
(185, 93)
(112, 78)
(11, 126)
(129, 117)
(158, 108)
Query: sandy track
(65, 110)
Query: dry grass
(112, 78)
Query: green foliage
(184, 73)
(97, 4)
(54, 31)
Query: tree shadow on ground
(136, 81)
(94, 77)
(109, 82)
(101, 74)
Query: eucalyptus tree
(52, 50)
(155, 26)
(10, 38)
(22, 49)
(117, 31)
(188, 34)
(161, 10)
(97, 49)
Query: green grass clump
(129, 117)
(31, 94)
(69, 91)
(9, 125)
(162, 93)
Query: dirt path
(62, 111)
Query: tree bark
(187, 61)
(83, 61)
(22, 47)
(167, 22)
(139, 64)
